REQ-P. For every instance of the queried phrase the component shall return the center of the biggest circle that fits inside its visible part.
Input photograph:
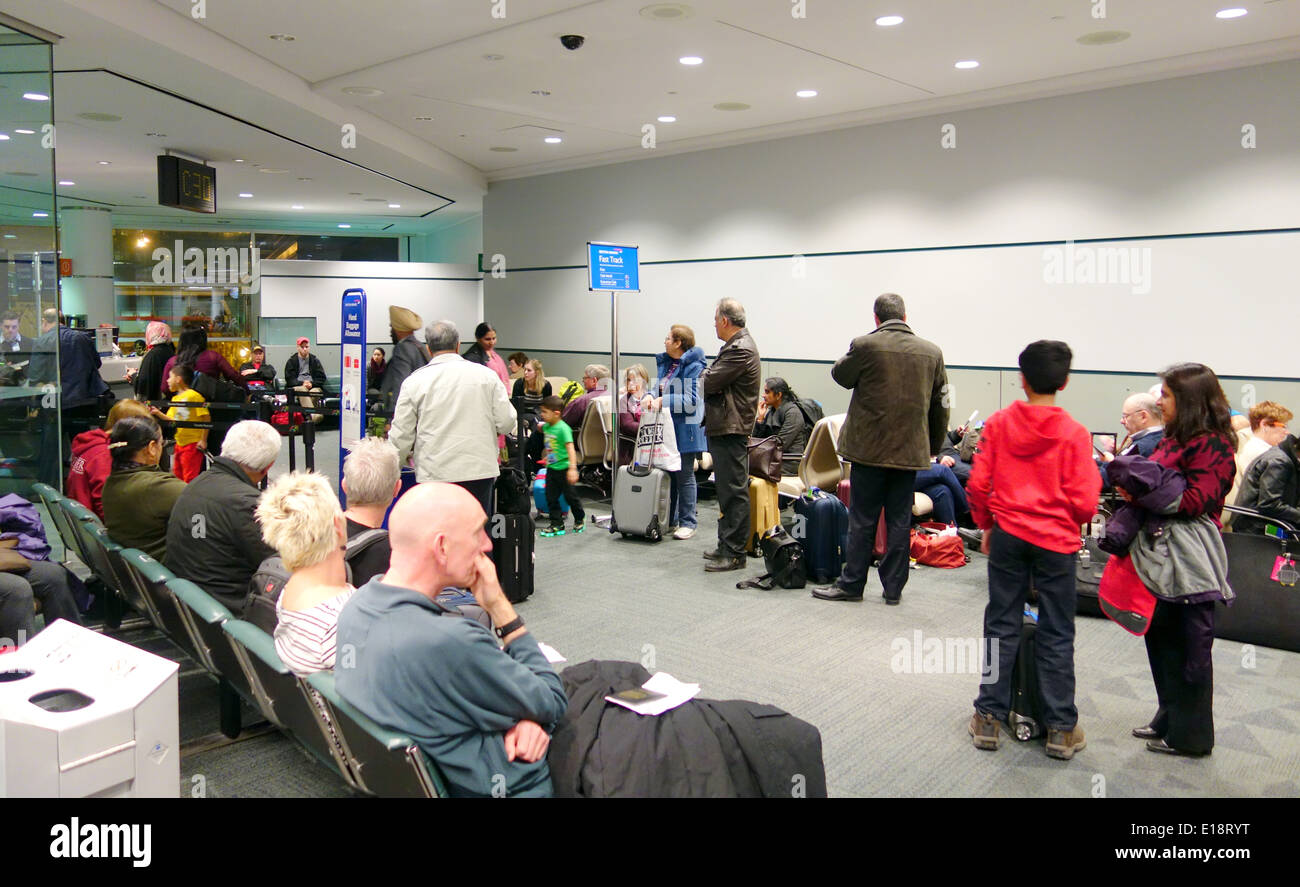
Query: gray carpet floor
(885, 732)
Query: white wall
(1149, 160)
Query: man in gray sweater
(484, 714)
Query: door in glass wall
(33, 442)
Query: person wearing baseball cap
(408, 354)
(257, 369)
(303, 372)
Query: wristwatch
(511, 626)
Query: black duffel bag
(512, 492)
(783, 560)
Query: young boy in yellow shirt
(191, 443)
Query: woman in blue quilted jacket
(677, 390)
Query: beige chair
(822, 466)
(557, 383)
(593, 436)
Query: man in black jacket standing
(730, 388)
(898, 418)
(408, 354)
(213, 538)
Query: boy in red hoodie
(1032, 486)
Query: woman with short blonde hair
(301, 519)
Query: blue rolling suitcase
(539, 496)
(825, 534)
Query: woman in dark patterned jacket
(1199, 444)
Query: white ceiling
(428, 59)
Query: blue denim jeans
(941, 485)
(1013, 562)
(681, 507)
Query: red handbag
(933, 550)
(1123, 598)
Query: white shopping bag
(656, 442)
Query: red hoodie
(1035, 476)
(90, 466)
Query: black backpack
(271, 576)
(513, 495)
(812, 411)
(783, 560)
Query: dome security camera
(572, 42)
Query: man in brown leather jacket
(730, 387)
(898, 419)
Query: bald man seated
(483, 714)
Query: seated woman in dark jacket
(779, 415)
(527, 396)
(138, 495)
(1271, 485)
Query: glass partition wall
(32, 436)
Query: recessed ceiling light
(691, 60)
(283, 38)
(11, 237)
(238, 160)
(362, 90)
(66, 184)
(667, 118)
(541, 92)
(104, 162)
(807, 93)
(888, 21)
(345, 226)
(272, 170)
(493, 57)
(296, 206)
(3, 137)
(967, 65)
(731, 106)
(1102, 38)
(666, 12)
(156, 135)
(354, 193)
(40, 215)
(552, 140)
(36, 97)
(502, 149)
(26, 132)
(244, 194)
(1236, 12)
(394, 206)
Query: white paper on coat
(675, 693)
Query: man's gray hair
(1144, 401)
(371, 470)
(442, 335)
(252, 444)
(733, 311)
(889, 306)
(596, 371)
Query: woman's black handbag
(783, 559)
(765, 458)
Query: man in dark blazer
(897, 420)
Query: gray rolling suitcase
(641, 497)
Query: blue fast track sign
(612, 268)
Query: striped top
(304, 639)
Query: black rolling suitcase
(512, 541)
(1087, 578)
(1026, 716)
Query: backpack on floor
(783, 559)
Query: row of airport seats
(243, 660)
(821, 466)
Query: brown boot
(984, 731)
(1063, 744)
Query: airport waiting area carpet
(886, 730)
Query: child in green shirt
(561, 468)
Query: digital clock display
(183, 184)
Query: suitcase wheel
(652, 532)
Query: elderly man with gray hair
(595, 379)
(448, 415)
(372, 478)
(213, 538)
(730, 388)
